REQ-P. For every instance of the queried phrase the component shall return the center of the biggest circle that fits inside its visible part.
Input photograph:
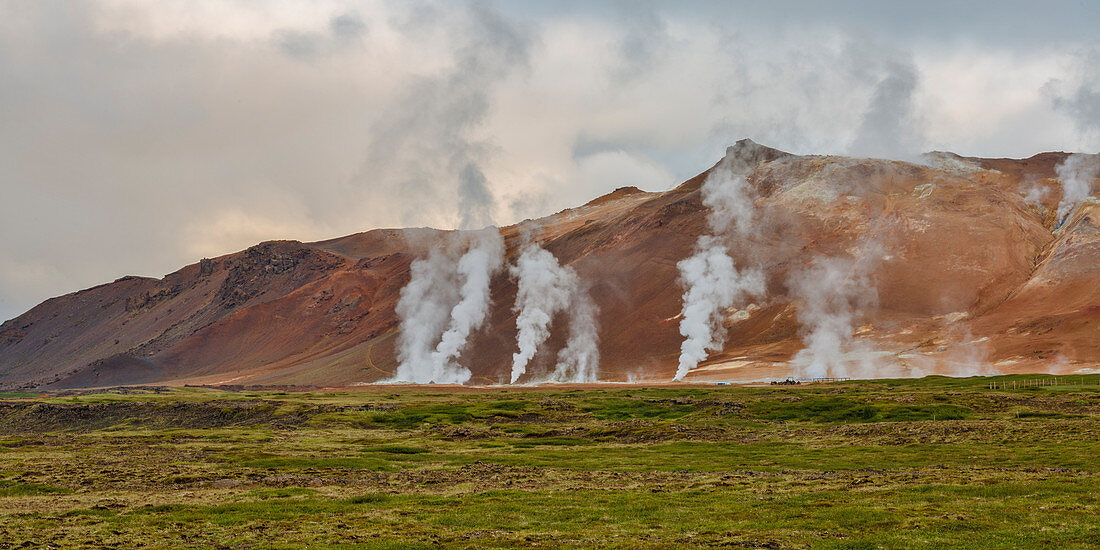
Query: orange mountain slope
(959, 275)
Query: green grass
(412, 416)
(16, 394)
(829, 518)
(844, 409)
(929, 463)
(397, 450)
(621, 408)
(12, 489)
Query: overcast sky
(137, 137)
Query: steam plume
(832, 293)
(447, 298)
(424, 308)
(712, 284)
(546, 288)
(1076, 173)
(444, 301)
(427, 145)
(889, 128)
(475, 272)
(968, 356)
(580, 359)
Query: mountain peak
(752, 152)
(614, 195)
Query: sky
(139, 136)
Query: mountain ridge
(961, 247)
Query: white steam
(1076, 173)
(444, 301)
(424, 308)
(546, 288)
(579, 361)
(967, 356)
(475, 272)
(832, 293)
(890, 127)
(712, 283)
(1033, 192)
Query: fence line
(1036, 382)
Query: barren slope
(967, 275)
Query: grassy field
(930, 463)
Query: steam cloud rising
(444, 301)
(425, 147)
(546, 289)
(580, 359)
(832, 293)
(447, 298)
(1076, 173)
(424, 308)
(712, 283)
(889, 128)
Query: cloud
(603, 172)
(644, 38)
(239, 229)
(991, 103)
(347, 26)
(129, 123)
(342, 31)
(1078, 94)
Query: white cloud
(139, 135)
(991, 102)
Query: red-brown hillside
(970, 276)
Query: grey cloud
(299, 44)
(1020, 23)
(347, 26)
(116, 148)
(1079, 95)
(308, 45)
(646, 37)
(820, 90)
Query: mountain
(953, 265)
